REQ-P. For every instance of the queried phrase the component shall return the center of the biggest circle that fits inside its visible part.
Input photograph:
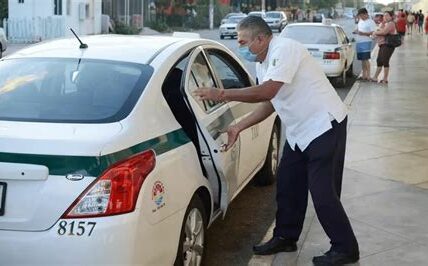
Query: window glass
(202, 78)
(69, 90)
(230, 74)
(311, 34)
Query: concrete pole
(211, 14)
(142, 13)
(263, 5)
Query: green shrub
(122, 28)
(158, 25)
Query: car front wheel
(222, 37)
(192, 236)
(266, 175)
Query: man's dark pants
(318, 168)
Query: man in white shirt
(294, 85)
(366, 27)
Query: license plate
(316, 54)
(2, 197)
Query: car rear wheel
(341, 80)
(192, 236)
(350, 71)
(222, 37)
(267, 174)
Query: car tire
(1, 49)
(222, 37)
(341, 80)
(192, 240)
(267, 174)
(350, 71)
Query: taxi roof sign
(327, 21)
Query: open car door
(212, 120)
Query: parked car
(231, 15)
(228, 29)
(329, 44)
(276, 20)
(108, 158)
(3, 42)
(261, 14)
(318, 17)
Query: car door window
(229, 72)
(201, 76)
(342, 36)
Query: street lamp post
(211, 14)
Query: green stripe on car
(95, 165)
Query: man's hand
(212, 94)
(232, 135)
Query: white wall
(90, 24)
(31, 8)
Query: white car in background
(107, 158)
(231, 15)
(328, 44)
(261, 14)
(3, 42)
(277, 20)
(228, 29)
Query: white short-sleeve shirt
(366, 26)
(307, 102)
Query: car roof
(127, 48)
(316, 24)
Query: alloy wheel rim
(193, 239)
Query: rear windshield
(69, 90)
(273, 15)
(311, 34)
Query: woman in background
(385, 51)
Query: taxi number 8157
(75, 228)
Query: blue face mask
(244, 52)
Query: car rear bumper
(333, 69)
(123, 239)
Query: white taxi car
(329, 44)
(107, 158)
(228, 29)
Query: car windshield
(233, 20)
(273, 15)
(311, 34)
(69, 90)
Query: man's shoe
(334, 258)
(275, 245)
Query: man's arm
(263, 111)
(260, 93)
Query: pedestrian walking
(365, 28)
(294, 85)
(401, 25)
(385, 51)
(420, 21)
(410, 20)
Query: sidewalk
(385, 187)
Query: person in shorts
(366, 27)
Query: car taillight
(331, 55)
(116, 190)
